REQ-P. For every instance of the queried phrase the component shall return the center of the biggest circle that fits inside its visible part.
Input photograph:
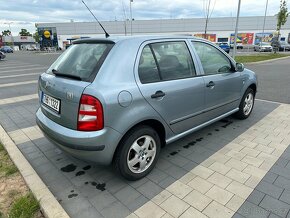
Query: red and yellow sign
(244, 38)
(210, 37)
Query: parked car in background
(105, 103)
(224, 46)
(263, 46)
(2, 55)
(239, 45)
(6, 49)
(284, 46)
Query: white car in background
(263, 46)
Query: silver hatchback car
(118, 100)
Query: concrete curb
(267, 61)
(48, 204)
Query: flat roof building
(219, 29)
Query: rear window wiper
(57, 73)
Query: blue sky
(24, 14)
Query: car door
(167, 79)
(223, 85)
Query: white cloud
(24, 14)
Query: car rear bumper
(95, 146)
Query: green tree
(36, 36)
(24, 32)
(282, 15)
(6, 33)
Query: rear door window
(165, 61)
(81, 61)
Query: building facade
(219, 29)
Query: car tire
(246, 105)
(133, 159)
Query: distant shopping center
(251, 29)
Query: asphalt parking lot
(232, 168)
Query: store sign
(23, 37)
(210, 37)
(46, 34)
(244, 38)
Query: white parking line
(19, 75)
(25, 69)
(18, 83)
(20, 66)
(276, 102)
(18, 99)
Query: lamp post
(131, 15)
(236, 30)
(265, 17)
(12, 40)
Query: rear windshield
(81, 61)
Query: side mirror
(239, 67)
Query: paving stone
(270, 177)
(220, 168)
(116, 210)
(282, 171)
(197, 200)
(192, 212)
(89, 212)
(187, 178)
(157, 175)
(285, 196)
(161, 197)
(236, 164)
(250, 152)
(239, 189)
(219, 195)
(202, 171)
(200, 184)
(255, 171)
(282, 182)
(179, 189)
(102, 200)
(219, 180)
(175, 171)
(127, 195)
(238, 175)
(216, 210)
(275, 206)
(252, 161)
(252, 182)
(174, 206)
(256, 197)
(235, 203)
(272, 215)
(251, 210)
(236, 154)
(269, 189)
(167, 182)
(149, 210)
(149, 189)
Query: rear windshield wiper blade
(57, 73)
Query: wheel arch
(153, 123)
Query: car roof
(116, 39)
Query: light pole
(265, 19)
(12, 40)
(236, 30)
(131, 15)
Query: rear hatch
(61, 87)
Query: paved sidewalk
(231, 168)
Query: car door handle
(210, 84)
(158, 94)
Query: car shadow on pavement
(85, 190)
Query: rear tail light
(90, 117)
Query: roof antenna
(106, 34)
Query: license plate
(51, 102)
